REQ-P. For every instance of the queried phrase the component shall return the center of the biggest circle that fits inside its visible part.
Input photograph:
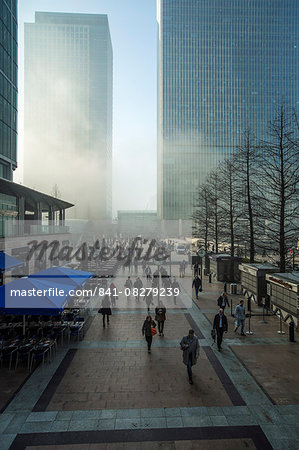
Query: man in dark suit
(220, 325)
(223, 301)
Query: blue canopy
(29, 296)
(8, 262)
(63, 275)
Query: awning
(63, 275)
(29, 296)
(8, 262)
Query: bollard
(225, 287)
(280, 326)
(292, 331)
(249, 304)
(249, 330)
(210, 278)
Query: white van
(180, 249)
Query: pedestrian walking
(148, 330)
(137, 286)
(240, 317)
(223, 301)
(184, 267)
(190, 346)
(143, 265)
(106, 309)
(220, 326)
(160, 317)
(113, 293)
(128, 287)
(195, 269)
(136, 266)
(148, 272)
(149, 300)
(175, 285)
(197, 285)
(181, 270)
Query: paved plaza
(106, 392)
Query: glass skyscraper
(223, 66)
(68, 110)
(8, 87)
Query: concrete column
(51, 219)
(21, 215)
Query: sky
(133, 30)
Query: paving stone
(219, 421)
(241, 420)
(108, 414)
(153, 412)
(36, 427)
(172, 412)
(127, 413)
(127, 423)
(91, 389)
(150, 422)
(194, 411)
(265, 415)
(6, 441)
(284, 444)
(16, 423)
(106, 424)
(42, 416)
(60, 425)
(287, 409)
(215, 411)
(174, 422)
(197, 421)
(5, 420)
(235, 410)
(82, 415)
(83, 425)
(64, 415)
(271, 369)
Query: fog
(57, 149)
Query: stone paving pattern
(224, 444)
(112, 384)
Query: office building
(68, 110)
(223, 67)
(8, 87)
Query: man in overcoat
(190, 346)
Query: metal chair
(39, 355)
(22, 354)
(7, 354)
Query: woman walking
(106, 310)
(147, 331)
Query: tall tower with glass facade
(8, 87)
(223, 66)
(68, 110)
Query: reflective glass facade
(68, 109)
(223, 66)
(8, 87)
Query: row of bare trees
(251, 200)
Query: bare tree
(279, 190)
(245, 161)
(229, 204)
(202, 216)
(215, 210)
(55, 191)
